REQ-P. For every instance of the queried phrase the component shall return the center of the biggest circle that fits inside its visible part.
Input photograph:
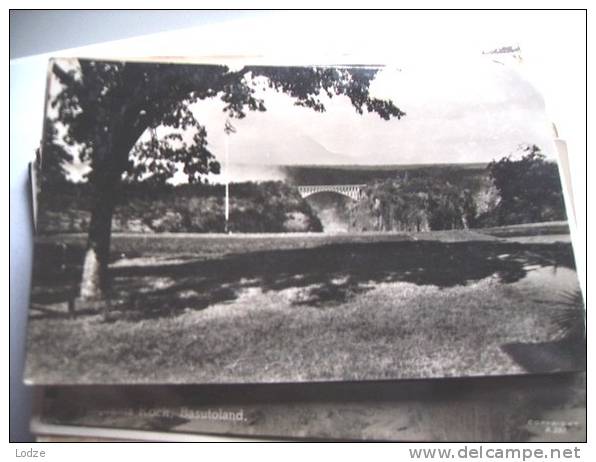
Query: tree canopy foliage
(107, 106)
(529, 188)
(52, 170)
(420, 203)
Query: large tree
(106, 107)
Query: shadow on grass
(325, 275)
(568, 353)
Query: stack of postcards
(342, 252)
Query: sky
(457, 111)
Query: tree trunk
(111, 162)
(94, 278)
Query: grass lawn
(281, 308)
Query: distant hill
(393, 167)
(296, 149)
(338, 173)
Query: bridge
(353, 191)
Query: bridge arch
(353, 191)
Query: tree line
(271, 206)
(526, 190)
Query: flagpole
(227, 155)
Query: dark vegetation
(529, 190)
(416, 204)
(506, 192)
(149, 207)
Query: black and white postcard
(257, 224)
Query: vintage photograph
(531, 408)
(254, 224)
